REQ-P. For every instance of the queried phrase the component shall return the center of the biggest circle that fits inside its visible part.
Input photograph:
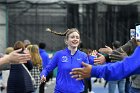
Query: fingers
(100, 60)
(23, 58)
(26, 51)
(84, 64)
(122, 50)
(75, 76)
(94, 52)
(115, 56)
(117, 52)
(78, 77)
(76, 71)
(99, 54)
(96, 60)
(43, 79)
(15, 57)
(19, 62)
(122, 55)
(19, 50)
(108, 47)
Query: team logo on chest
(64, 59)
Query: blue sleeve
(119, 70)
(51, 66)
(91, 59)
(45, 60)
(86, 58)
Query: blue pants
(112, 86)
(127, 85)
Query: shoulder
(58, 53)
(82, 53)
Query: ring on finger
(79, 76)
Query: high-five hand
(81, 73)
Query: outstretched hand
(43, 79)
(14, 57)
(81, 73)
(100, 59)
(118, 55)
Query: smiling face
(73, 40)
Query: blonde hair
(35, 56)
(9, 50)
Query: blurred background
(100, 22)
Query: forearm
(120, 69)
(44, 72)
(4, 59)
(50, 67)
(129, 47)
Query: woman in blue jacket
(116, 71)
(67, 59)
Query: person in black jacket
(19, 80)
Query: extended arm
(15, 57)
(116, 71)
(120, 69)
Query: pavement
(96, 87)
(50, 86)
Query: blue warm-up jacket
(119, 70)
(91, 59)
(65, 63)
(45, 58)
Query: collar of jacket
(69, 51)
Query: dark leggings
(41, 87)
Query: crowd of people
(20, 65)
(30, 67)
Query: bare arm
(15, 57)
